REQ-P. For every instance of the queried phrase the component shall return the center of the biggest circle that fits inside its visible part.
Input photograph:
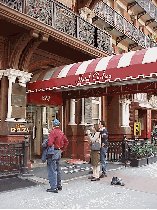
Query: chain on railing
(63, 19)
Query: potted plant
(155, 38)
(150, 36)
(154, 151)
(138, 156)
(148, 149)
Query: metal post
(124, 149)
(25, 145)
(152, 138)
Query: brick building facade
(42, 36)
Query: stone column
(44, 115)
(38, 139)
(125, 111)
(24, 77)
(1, 75)
(72, 112)
(83, 117)
(11, 74)
(62, 118)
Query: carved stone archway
(18, 49)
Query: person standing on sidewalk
(60, 142)
(95, 155)
(104, 148)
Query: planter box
(155, 159)
(151, 159)
(138, 162)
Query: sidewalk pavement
(69, 169)
(139, 192)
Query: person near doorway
(95, 155)
(60, 142)
(104, 148)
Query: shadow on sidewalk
(13, 183)
(69, 170)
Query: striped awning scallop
(121, 67)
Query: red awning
(45, 98)
(107, 70)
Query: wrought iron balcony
(59, 17)
(146, 9)
(120, 27)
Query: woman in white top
(95, 155)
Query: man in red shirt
(60, 142)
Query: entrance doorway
(39, 119)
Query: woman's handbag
(95, 146)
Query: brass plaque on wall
(18, 100)
(18, 128)
(18, 112)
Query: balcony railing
(116, 20)
(59, 17)
(148, 7)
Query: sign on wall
(148, 123)
(45, 97)
(18, 128)
(137, 129)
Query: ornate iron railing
(114, 153)
(11, 158)
(116, 20)
(120, 151)
(59, 17)
(148, 7)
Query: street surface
(139, 192)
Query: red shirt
(57, 138)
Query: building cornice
(31, 23)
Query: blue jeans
(103, 159)
(54, 170)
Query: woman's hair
(103, 123)
(96, 126)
